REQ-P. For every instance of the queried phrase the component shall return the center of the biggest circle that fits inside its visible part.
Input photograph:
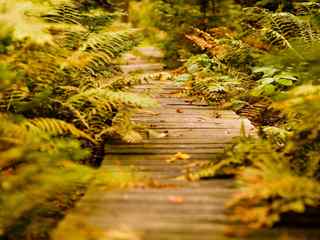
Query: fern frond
(307, 8)
(71, 13)
(55, 127)
(97, 19)
(108, 99)
(285, 28)
(124, 127)
(94, 52)
(119, 82)
(66, 13)
(276, 135)
(111, 44)
(132, 137)
(286, 24)
(13, 96)
(276, 39)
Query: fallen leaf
(176, 199)
(154, 134)
(179, 156)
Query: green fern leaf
(55, 127)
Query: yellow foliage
(179, 156)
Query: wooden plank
(188, 106)
(193, 111)
(194, 133)
(167, 146)
(162, 151)
(196, 194)
(172, 114)
(154, 162)
(182, 119)
(152, 157)
(142, 66)
(164, 88)
(142, 223)
(202, 125)
(219, 139)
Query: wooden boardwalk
(167, 208)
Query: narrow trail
(171, 209)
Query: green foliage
(176, 18)
(255, 77)
(55, 127)
(280, 172)
(210, 78)
(273, 82)
(273, 189)
(61, 92)
(283, 170)
(63, 82)
(35, 166)
(277, 88)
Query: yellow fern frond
(132, 137)
(55, 127)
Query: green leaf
(256, 92)
(286, 75)
(268, 71)
(285, 82)
(269, 89)
(267, 80)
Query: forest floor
(154, 203)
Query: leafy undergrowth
(265, 67)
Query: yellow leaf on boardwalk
(179, 156)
